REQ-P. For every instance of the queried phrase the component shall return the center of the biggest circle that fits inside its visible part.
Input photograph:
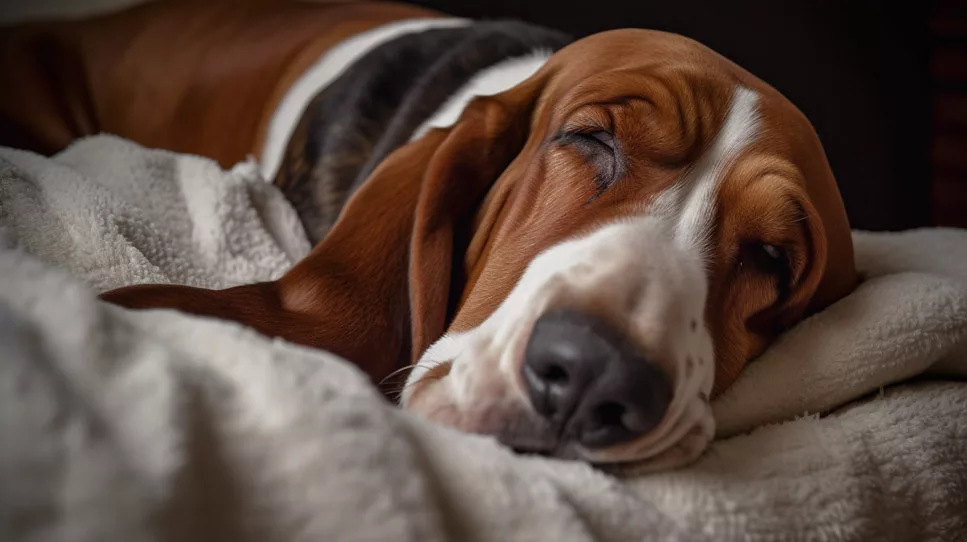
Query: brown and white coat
(633, 178)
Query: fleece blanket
(153, 425)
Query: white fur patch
(323, 72)
(502, 76)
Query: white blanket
(120, 425)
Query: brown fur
(442, 230)
(183, 75)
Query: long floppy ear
(488, 137)
(828, 225)
(809, 267)
(825, 272)
(388, 261)
(376, 289)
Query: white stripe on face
(690, 205)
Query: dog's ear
(390, 260)
(808, 267)
(475, 153)
(376, 289)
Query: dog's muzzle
(590, 382)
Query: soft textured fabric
(153, 425)
(114, 214)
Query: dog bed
(124, 425)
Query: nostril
(549, 385)
(609, 414)
(604, 424)
(553, 375)
(623, 407)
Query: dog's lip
(548, 444)
(567, 450)
(539, 451)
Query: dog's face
(668, 215)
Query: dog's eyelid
(604, 136)
(595, 136)
(599, 148)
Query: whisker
(396, 372)
(398, 393)
(384, 381)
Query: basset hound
(569, 245)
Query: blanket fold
(126, 425)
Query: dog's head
(599, 250)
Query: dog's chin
(524, 432)
(552, 447)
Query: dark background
(869, 74)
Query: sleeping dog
(570, 245)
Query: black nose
(588, 379)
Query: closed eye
(602, 137)
(600, 148)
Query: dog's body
(571, 262)
(195, 77)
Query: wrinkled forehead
(618, 64)
(629, 63)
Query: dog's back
(195, 77)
